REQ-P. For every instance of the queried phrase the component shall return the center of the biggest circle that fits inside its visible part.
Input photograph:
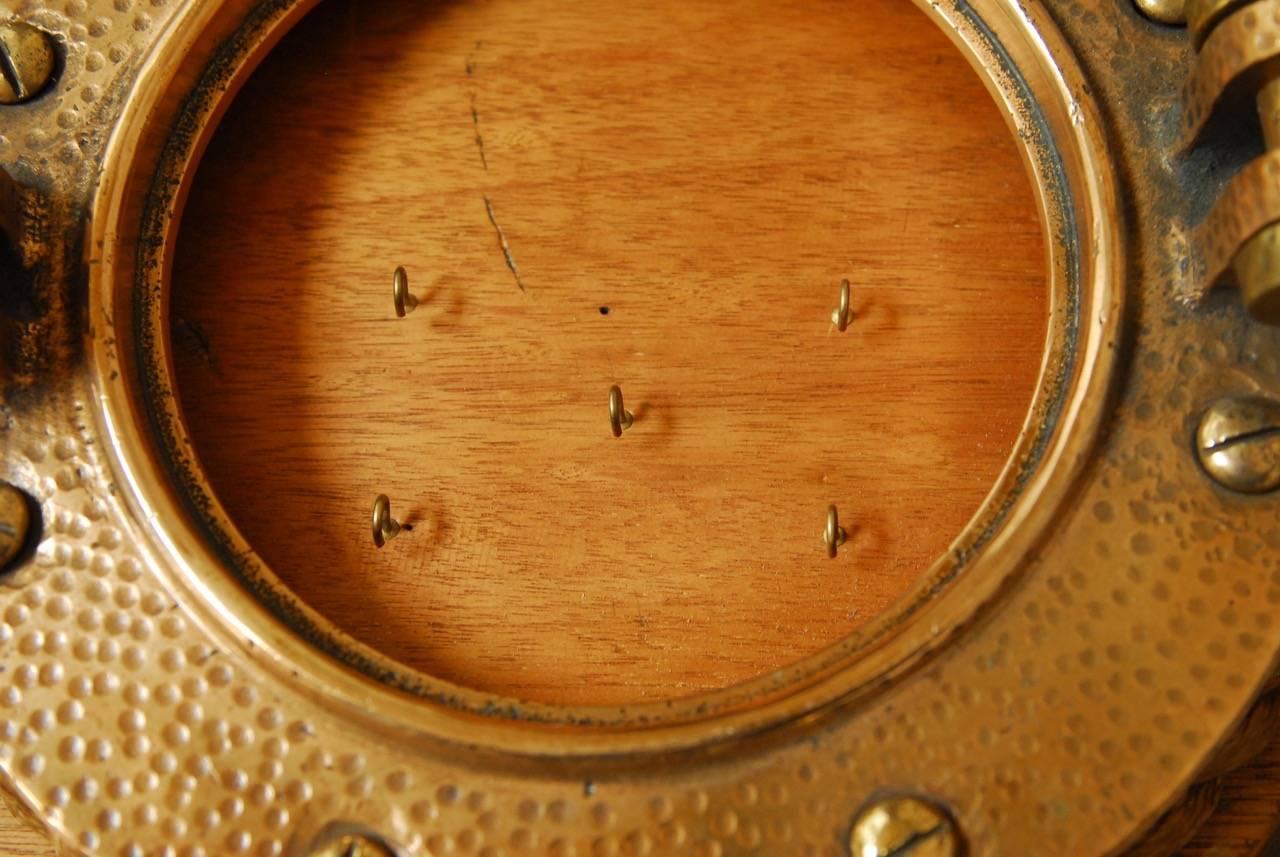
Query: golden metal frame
(1057, 681)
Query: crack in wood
(502, 241)
(475, 122)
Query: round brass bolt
(14, 523)
(28, 59)
(353, 846)
(1238, 443)
(1164, 11)
(903, 827)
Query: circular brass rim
(1025, 66)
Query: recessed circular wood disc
(664, 195)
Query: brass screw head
(15, 520)
(903, 827)
(1164, 11)
(28, 59)
(353, 846)
(1238, 443)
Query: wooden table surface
(664, 197)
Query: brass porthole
(1100, 627)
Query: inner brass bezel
(197, 544)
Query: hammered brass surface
(1237, 46)
(1240, 233)
(141, 718)
(1203, 15)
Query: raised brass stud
(15, 523)
(843, 314)
(1238, 443)
(620, 419)
(404, 301)
(834, 535)
(28, 60)
(353, 846)
(1164, 11)
(385, 527)
(903, 827)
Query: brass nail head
(843, 314)
(15, 523)
(620, 419)
(1164, 11)
(834, 535)
(904, 827)
(1238, 443)
(385, 527)
(353, 846)
(404, 301)
(28, 61)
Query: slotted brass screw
(1164, 11)
(15, 521)
(28, 59)
(353, 846)
(904, 827)
(1238, 443)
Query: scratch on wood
(190, 337)
(475, 121)
(502, 240)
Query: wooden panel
(664, 195)
(17, 839)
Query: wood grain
(18, 839)
(665, 196)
